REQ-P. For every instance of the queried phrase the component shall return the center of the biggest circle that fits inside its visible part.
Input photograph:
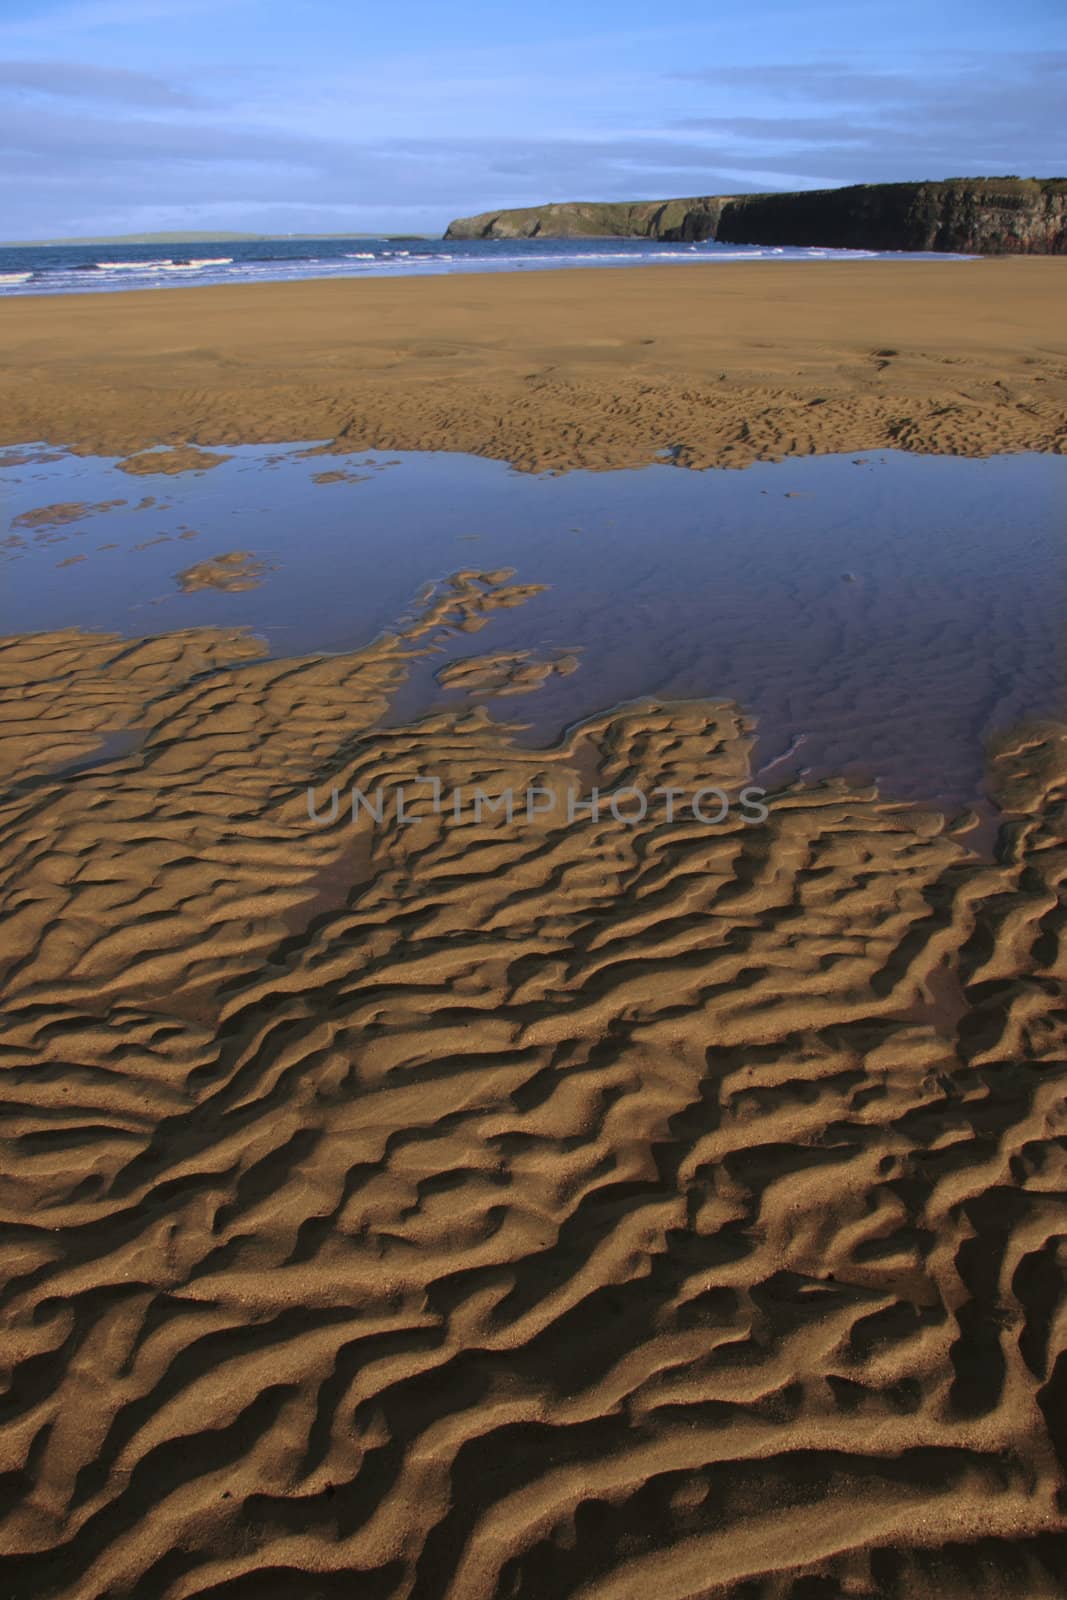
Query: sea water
(880, 615)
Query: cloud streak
(119, 147)
(73, 80)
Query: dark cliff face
(983, 216)
(979, 216)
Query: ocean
(95, 268)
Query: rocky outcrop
(983, 216)
(644, 219)
(556, 221)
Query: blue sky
(324, 115)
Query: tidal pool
(879, 616)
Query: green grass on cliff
(665, 218)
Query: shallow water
(880, 616)
(87, 268)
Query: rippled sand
(231, 572)
(722, 365)
(470, 1210)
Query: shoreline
(584, 367)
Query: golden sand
(231, 572)
(564, 1208)
(726, 363)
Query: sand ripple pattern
(458, 1211)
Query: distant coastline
(197, 238)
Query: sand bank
(723, 364)
(576, 1207)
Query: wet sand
(563, 1208)
(595, 1204)
(725, 363)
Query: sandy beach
(725, 364)
(585, 1201)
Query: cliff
(578, 219)
(981, 216)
